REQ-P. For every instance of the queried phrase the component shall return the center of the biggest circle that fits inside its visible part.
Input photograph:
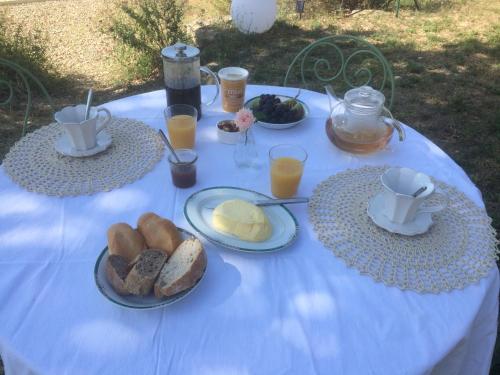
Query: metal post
(299, 7)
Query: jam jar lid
(364, 99)
(180, 52)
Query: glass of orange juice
(181, 125)
(287, 165)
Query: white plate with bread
(226, 217)
(152, 266)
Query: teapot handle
(395, 124)
(206, 70)
(331, 97)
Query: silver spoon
(419, 191)
(163, 136)
(89, 102)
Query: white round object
(131, 301)
(253, 16)
(64, 147)
(269, 125)
(199, 207)
(229, 138)
(419, 225)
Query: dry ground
(75, 46)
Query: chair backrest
(343, 61)
(13, 78)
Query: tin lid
(180, 51)
(365, 99)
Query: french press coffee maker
(181, 71)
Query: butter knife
(271, 202)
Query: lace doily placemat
(35, 165)
(459, 249)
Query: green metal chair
(343, 61)
(15, 78)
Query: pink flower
(244, 119)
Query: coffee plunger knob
(180, 48)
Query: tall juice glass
(181, 125)
(287, 166)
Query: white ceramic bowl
(249, 104)
(229, 138)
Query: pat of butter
(242, 219)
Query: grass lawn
(446, 60)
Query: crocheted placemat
(35, 165)
(459, 249)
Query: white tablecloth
(297, 311)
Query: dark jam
(190, 96)
(183, 174)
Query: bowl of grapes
(277, 111)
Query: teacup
(82, 133)
(400, 185)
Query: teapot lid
(364, 99)
(180, 52)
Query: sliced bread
(117, 269)
(182, 270)
(143, 274)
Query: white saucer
(63, 145)
(421, 224)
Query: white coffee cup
(82, 133)
(400, 206)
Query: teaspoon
(162, 135)
(89, 102)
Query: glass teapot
(181, 71)
(360, 123)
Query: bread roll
(182, 270)
(117, 269)
(125, 241)
(159, 233)
(147, 266)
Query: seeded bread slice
(117, 269)
(147, 266)
(182, 270)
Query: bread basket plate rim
(137, 302)
(287, 125)
(279, 216)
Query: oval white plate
(131, 301)
(199, 208)
(270, 125)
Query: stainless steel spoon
(165, 140)
(89, 102)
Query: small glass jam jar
(183, 173)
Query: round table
(296, 311)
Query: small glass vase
(245, 150)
